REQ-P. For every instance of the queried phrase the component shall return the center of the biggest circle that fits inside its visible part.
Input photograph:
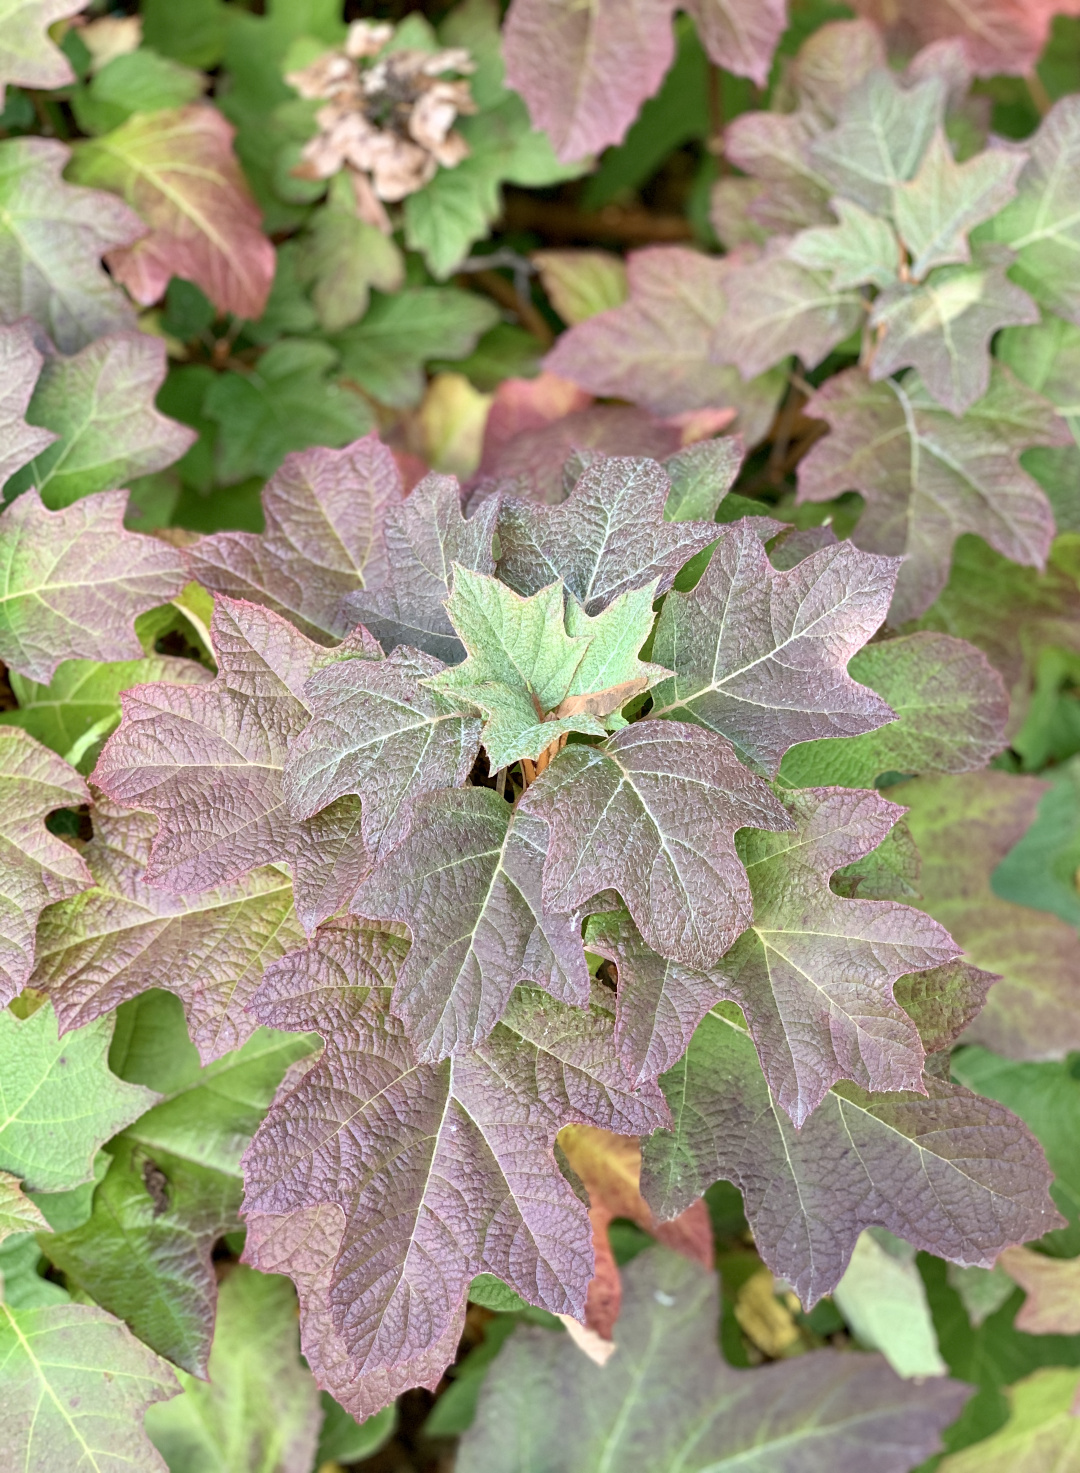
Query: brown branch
(558, 221)
(503, 292)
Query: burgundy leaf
(943, 1001)
(761, 655)
(20, 364)
(466, 881)
(325, 537)
(36, 868)
(124, 936)
(208, 762)
(949, 1172)
(379, 732)
(607, 538)
(72, 581)
(652, 813)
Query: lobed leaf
(1052, 1286)
(1042, 1430)
(27, 54)
(20, 364)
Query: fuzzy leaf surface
(964, 826)
(124, 936)
(949, 1172)
(325, 516)
(443, 1170)
(814, 973)
(424, 537)
(668, 1399)
(928, 477)
(100, 406)
(951, 710)
(179, 750)
(467, 881)
(36, 867)
(20, 364)
(51, 243)
(608, 537)
(652, 814)
(760, 656)
(72, 581)
(176, 169)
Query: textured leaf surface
(325, 516)
(27, 55)
(261, 1409)
(424, 537)
(862, 249)
(760, 656)
(124, 936)
(537, 672)
(608, 537)
(663, 348)
(466, 880)
(777, 307)
(18, 1214)
(964, 826)
(1043, 1431)
(943, 1001)
(701, 476)
(100, 406)
(36, 868)
(1052, 1285)
(668, 1400)
(951, 710)
(20, 364)
(882, 133)
(59, 1101)
(179, 750)
(814, 973)
(443, 1171)
(652, 814)
(585, 71)
(72, 581)
(950, 1173)
(928, 477)
(76, 1385)
(51, 242)
(177, 170)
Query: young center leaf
(207, 761)
(20, 364)
(124, 936)
(667, 1399)
(325, 516)
(607, 538)
(36, 867)
(467, 880)
(52, 238)
(445, 1170)
(949, 1172)
(540, 667)
(760, 656)
(652, 813)
(177, 170)
(424, 536)
(72, 581)
(928, 476)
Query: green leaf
(287, 402)
(528, 661)
(385, 352)
(18, 1214)
(863, 248)
(1043, 1430)
(345, 1440)
(261, 1412)
(582, 283)
(137, 82)
(1040, 870)
(701, 477)
(883, 1299)
(75, 1385)
(455, 1410)
(342, 257)
(194, 35)
(22, 1266)
(59, 1101)
(1046, 357)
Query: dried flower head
(387, 117)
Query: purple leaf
(36, 868)
(949, 1172)
(928, 477)
(607, 538)
(72, 581)
(325, 537)
(943, 1001)
(380, 733)
(585, 70)
(443, 1170)
(668, 1400)
(208, 762)
(740, 35)
(424, 537)
(652, 813)
(466, 881)
(20, 364)
(124, 936)
(761, 655)
(814, 974)
(664, 348)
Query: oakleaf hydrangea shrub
(540, 789)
